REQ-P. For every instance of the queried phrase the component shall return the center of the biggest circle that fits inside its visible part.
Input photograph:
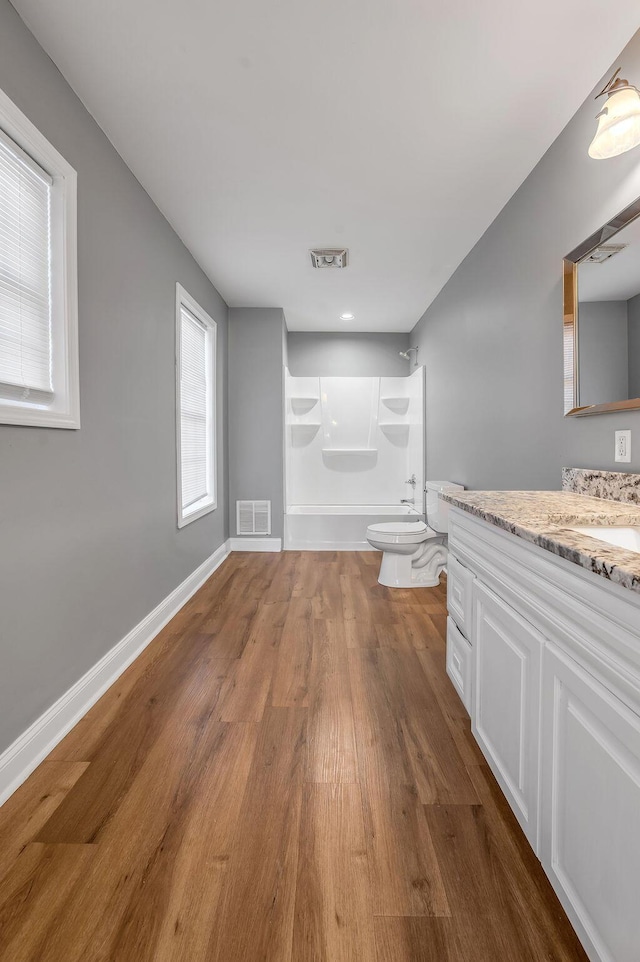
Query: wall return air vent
(253, 517)
(323, 257)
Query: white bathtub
(338, 527)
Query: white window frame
(209, 503)
(63, 411)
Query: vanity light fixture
(347, 317)
(619, 120)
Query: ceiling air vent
(603, 253)
(323, 257)
(253, 517)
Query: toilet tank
(437, 509)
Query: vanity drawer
(459, 663)
(459, 594)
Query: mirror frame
(570, 325)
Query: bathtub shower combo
(354, 457)
(355, 474)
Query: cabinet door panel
(591, 808)
(459, 594)
(506, 703)
(459, 663)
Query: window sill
(30, 416)
(196, 511)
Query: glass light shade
(618, 125)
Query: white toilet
(414, 553)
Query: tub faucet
(412, 481)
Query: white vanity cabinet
(458, 662)
(459, 628)
(555, 708)
(506, 707)
(591, 807)
(459, 594)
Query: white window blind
(25, 277)
(195, 410)
(569, 345)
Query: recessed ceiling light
(347, 317)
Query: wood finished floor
(284, 775)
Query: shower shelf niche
(303, 424)
(399, 404)
(394, 427)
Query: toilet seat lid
(398, 532)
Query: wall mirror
(601, 323)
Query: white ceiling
(397, 128)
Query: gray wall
(88, 532)
(603, 346)
(492, 339)
(355, 355)
(285, 343)
(256, 418)
(633, 317)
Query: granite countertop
(543, 518)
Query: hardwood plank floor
(331, 745)
(24, 814)
(44, 875)
(438, 771)
(405, 876)
(284, 775)
(256, 912)
(332, 916)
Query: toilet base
(422, 569)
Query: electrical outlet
(623, 446)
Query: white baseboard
(19, 759)
(255, 544)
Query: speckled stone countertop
(543, 518)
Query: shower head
(407, 354)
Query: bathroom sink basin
(622, 537)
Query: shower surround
(352, 443)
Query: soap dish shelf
(399, 404)
(394, 427)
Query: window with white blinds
(25, 276)
(569, 344)
(195, 388)
(38, 278)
